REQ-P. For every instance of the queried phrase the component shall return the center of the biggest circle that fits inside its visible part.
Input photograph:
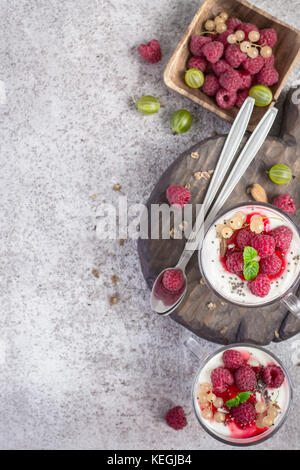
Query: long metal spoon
(163, 302)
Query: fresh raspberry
(263, 244)
(196, 44)
(268, 37)
(213, 51)
(222, 37)
(268, 75)
(221, 378)
(244, 413)
(273, 376)
(245, 378)
(173, 280)
(269, 60)
(150, 52)
(233, 23)
(246, 79)
(232, 359)
(253, 66)
(247, 28)
(235, 262)
(226, 99)
(270, 265)
(197, 63)
(244, 238)
(220, 67)
(234, 55)
(178, 196)
(231, 80)
(211, 85)
(286, 203)
(283, 237)
(260, 286)
(241, 97)
(175, 418)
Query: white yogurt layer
(282, 394)
(230, 286)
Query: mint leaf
(244, 396)
(233, 402)
(249, 254)
(250, 270)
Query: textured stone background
(75, 372)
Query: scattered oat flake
(94, 196)
(95, 272)
(298, 364)
(202, 282)
(183, 225)
(188, 186)
(195, 155)
(197, 175)
(117, 187)
(276, 334)
(205, 175)
(211, 306)
(114, 299)
(114, 279)
(223, 303)
(121, 241)
(223, 331)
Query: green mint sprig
(251, 267)
(240, 398)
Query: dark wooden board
(226, 323)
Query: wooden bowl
(286, 51)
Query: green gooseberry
(262, 94)
(280, 174)
(181, 121)
(148, 105)
(194, 78)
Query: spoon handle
(245, 158)
(229, 150)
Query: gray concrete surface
(75, 372)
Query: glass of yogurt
(235, 415)
(232, 286)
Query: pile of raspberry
(236, 376)
(229, 72)
(271, 247)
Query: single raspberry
(178, 196)
(235, 262)
(175, 418)
(270, 265)
(231, 80)
(263, 244)
(211, 85)
(221, 378)
(245, 378)
(253, 66)
(220, 67)
(226, 99)
(150, 52)
(234, 55)
(269, 60)
(232, 359)
(244, 238)
(244, 413)
(260, 286)
(222, 37)
(241, 97)
(173, 280)
(247, 28)
(246, 79)
(273, 376)
(197, 63)
(268, 37)
(196, 44)
(166, 296)
(283, 237)
(268, 75)
(286, 203)
(213, 51)
(233, 23)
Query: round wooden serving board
(226, 323)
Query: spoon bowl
(164, 301)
